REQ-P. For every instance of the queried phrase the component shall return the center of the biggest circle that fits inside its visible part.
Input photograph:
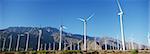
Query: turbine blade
(64, 27)
(90, 16)
(81, 19)
(119, 6)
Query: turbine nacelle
(63, 27)
(121, 13)
(120, 9)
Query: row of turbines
(84, 20)
(39, 44)
(18, 41)
(130, 45)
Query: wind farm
(74, 27)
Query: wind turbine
(39, 39)
(132, 43)
(41, 48)
(118, 43)
(121, 24)
(79, 44)
(105, 44)
(45, 46)
(10, 42)
(65, 44)
(18, 39)
(4, 42)
(0, 43)
(49, 46)
(27, 41)
(74, 46)
(84, 20)
(60, 37)
(71, 46)
(53, 45)
(95, 42)
(148, 37)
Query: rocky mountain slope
(51, 36)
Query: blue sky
(55, 12)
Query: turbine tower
(54, 46)
(0, 43)
(105, 44)
(10, 42)
(121, 24)
(95, 43)
(148, 37)
(45, 46)
(27, 41)
(60, 37)
(39, 39)
(49, 46)
(18, 39)
(4, 42)
(84, 20)
(79, 44)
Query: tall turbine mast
(10, 42)
(95, 44)
(121, 25)
(54, 46)
(27, 41)
(78, 43)
(49, 46)
(0, 43)
(4, 42)
(60, 40)
(84, 20)
(18, 39)
(148, 37)
(39, 39)
(105, 44)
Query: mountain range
(50, 36)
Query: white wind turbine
(118, 47)
(148, 37)
(18, 39)
(78, 43)
(53, 45)
(39, 39)
(60, 37)
(41, 48)
(95, 44)
(121, 24)
(10, 42)
(4, 42)
(0, 42)
(105, 44)
(45, 46)
(132, 43)
(65, 46)
(27, 41)
(84, 20)
(49, 46)
(71, 46)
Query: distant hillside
(50, 35)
